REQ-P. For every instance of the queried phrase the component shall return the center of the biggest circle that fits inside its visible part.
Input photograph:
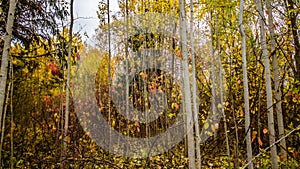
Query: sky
(86, 13)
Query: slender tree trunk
(194, 86)
(4, 115)
(109, 69)
(268, 86)
(187, 91)
(220, 75)
(222, 105)
(11, 119)
(236, 145)
(5, 54)
(213, 79)
(280, 124)
(67, 114)
(294, 28)
(245, 84)
(127, 65)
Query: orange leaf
(265, 131)
(289, 94)
(68, 139)
(242, 113)
(179, 54)
(153, 90)
(137, 124)
(175, 105)
(253, 138)
(143, 75)
(259, 141)
(254, 133)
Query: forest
(165, 84)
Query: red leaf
(281, 158)
(54, 70)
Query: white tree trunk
(220, 81)
(109, 68)
(194, 86)
(213, 82)
(268, 86)
(186, 83)
(11, 118)
(9, 88)
(67, 114)
(5, 54)
(276, 82)
(246, 91)
(127, 64)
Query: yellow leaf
(68, 139)
(206, 125)
(113, 123)
(190, 67)
(227, 103)
(219, 106)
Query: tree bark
(280, 120)
(221, 92)
(213, 79)
(245, 84)
(127, 63)
(5, 54)
(294, 28)
(109, 68)
(187, 91)
(67, 114)
(11, 118)
(4, 115)
(194, 86)
(268, 85)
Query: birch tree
(5, 54)
(268, 85)
(292, 11)
(67, 114)
(245, 84)
(213, 78)
(194, 86)
(9, 88)
(220, 81)
(186, 83)
(280, 124)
